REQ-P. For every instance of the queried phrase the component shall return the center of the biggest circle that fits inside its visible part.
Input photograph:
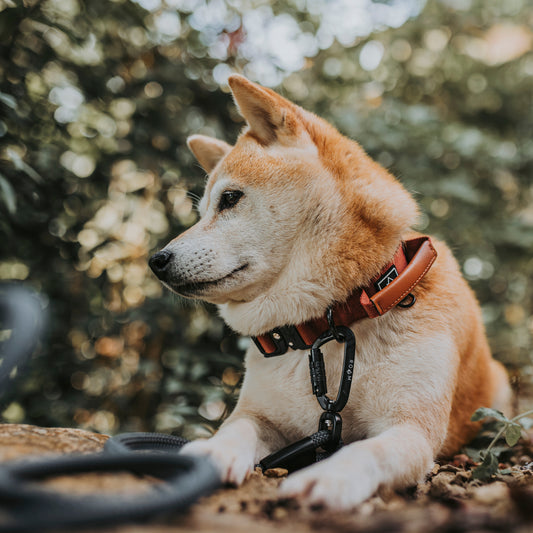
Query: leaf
(487, 468)
(512, 434)
(477, 454)
(484, 412)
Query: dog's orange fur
(479, 377)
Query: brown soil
(450, 500)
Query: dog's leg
(400, 456)
(234, 449)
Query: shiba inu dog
(297, 218)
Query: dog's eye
(229, 199)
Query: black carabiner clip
(318, 375)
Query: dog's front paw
(339, 483)
(234, 463)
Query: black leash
(25, 506)
(328, 437)
(135, 442)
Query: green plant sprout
(511, 429)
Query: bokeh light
(96, 102)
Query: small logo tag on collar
(387, 278)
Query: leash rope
(328, 437)
(28, 507)
(153, 442)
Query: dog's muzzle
(159, 263)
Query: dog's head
(294, 217)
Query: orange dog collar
(391, 288)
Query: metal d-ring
(408, 301)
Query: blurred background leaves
(96, 101)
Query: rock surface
(18, 440)
(450, 500)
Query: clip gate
(317, 369)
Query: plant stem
(522, 415)
(495, 439)
(505, 426)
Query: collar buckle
(279, 340)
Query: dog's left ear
(270, 116)
(208, 150)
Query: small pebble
(279, 512)
(276, 472)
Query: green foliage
(484, 412)
(487, 468)
(512, 434)
(511, 429)
(96, 101)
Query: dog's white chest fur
(383, 381)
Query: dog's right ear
(208, 150)
(270, 116)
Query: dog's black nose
(159, 262)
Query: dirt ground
(449, 501)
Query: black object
(328, 437)
(153, 442)
(25, 507)
(28, 508)
(318, 373)
(22, 321)
(283, 338)
(159, 263)
(297, 455)
(387, 278)
(332, 423)
(408, 301)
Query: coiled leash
(25, 506)
(142, 442)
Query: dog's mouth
(194, 288)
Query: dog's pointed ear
(208, 150)
(270, 116)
